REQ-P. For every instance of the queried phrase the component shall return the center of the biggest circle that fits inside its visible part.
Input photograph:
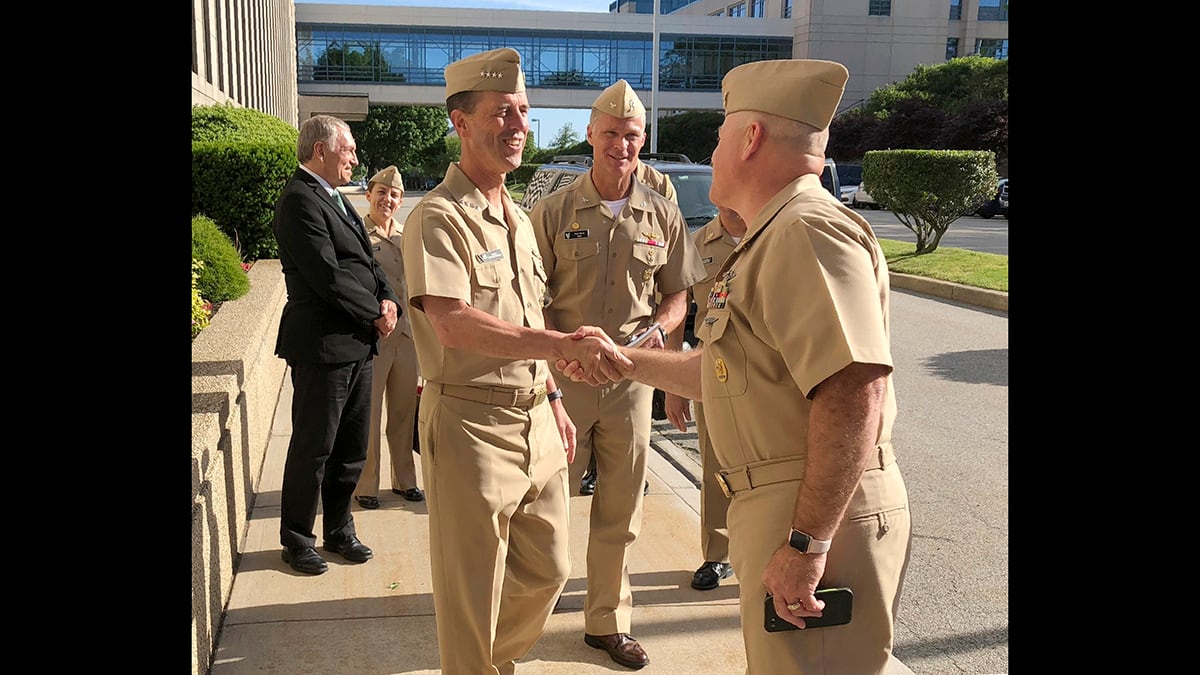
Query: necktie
(337, 197)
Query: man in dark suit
(339, 304)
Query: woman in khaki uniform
(395, 380)
(495, 439)
(796, 379)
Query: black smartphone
(838, 603)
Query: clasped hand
(593, 357)
(387, 323)
(601, 361)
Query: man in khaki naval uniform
(796, 379)
(495, 440)
(715, 241)
(610, 244)
(394, 384)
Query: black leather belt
(501, 396)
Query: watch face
(799, 541)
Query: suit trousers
(612, 422)
(331, 411)
(394, 389)
(495, 479)
(869, 555)
(714, 537)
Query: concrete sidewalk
(378, 617)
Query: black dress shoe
(411, 494)
(621, 647)
(351, 549)
(587, 484)
(710, 574)
(368, 502)
(305, 560)
(646, 489)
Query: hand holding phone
(838, 604)
(643, 336)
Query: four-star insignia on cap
(490, 73)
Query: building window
(879, 8)
(787, 9)
(955, 10)
(997, 49)
(951, 48)
(993, 10)
(738, 9)
(719, 12)
(756, 8)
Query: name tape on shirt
(491, 256)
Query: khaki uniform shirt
(605, 270)
(802, 296)
(387, 251)
(657, 180)
(714, 245)
(456, 246)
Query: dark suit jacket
(334, 283)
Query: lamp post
(537, 144)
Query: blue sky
(552, 119)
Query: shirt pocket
(723, 370)
(490, 280)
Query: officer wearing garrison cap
(611, 247)
(795, 375)
(495, 438)
(394, 383)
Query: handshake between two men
(603, 361)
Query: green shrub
(520, 175)
(201, 308)
(222, 276)
(929, 189)
(241, 160)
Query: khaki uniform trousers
(869, 555)
(394, 386)
(613, 422)
(714, 537)
(498, 527)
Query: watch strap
(804, 543)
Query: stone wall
(236, 379)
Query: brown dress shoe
(621, 647)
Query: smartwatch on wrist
(804, 543)
(554, 395)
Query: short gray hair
(322, 128)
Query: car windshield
(692, 192)
(849, 174)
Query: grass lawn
(972, 268)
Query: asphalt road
(986, 235)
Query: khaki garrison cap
(390, 177)
(799, 89)
(620, 101)
(497, 70)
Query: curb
(980, 297)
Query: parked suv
(996, 205)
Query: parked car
(861, 199)
(997, 205)
(849, 178)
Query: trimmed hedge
(222, 276)
(241, 160)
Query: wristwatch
(806, 544)
(663, 334)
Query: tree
(929, 189)
(398, 135)
(693, 134)
(566, 136)
(913, 123)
